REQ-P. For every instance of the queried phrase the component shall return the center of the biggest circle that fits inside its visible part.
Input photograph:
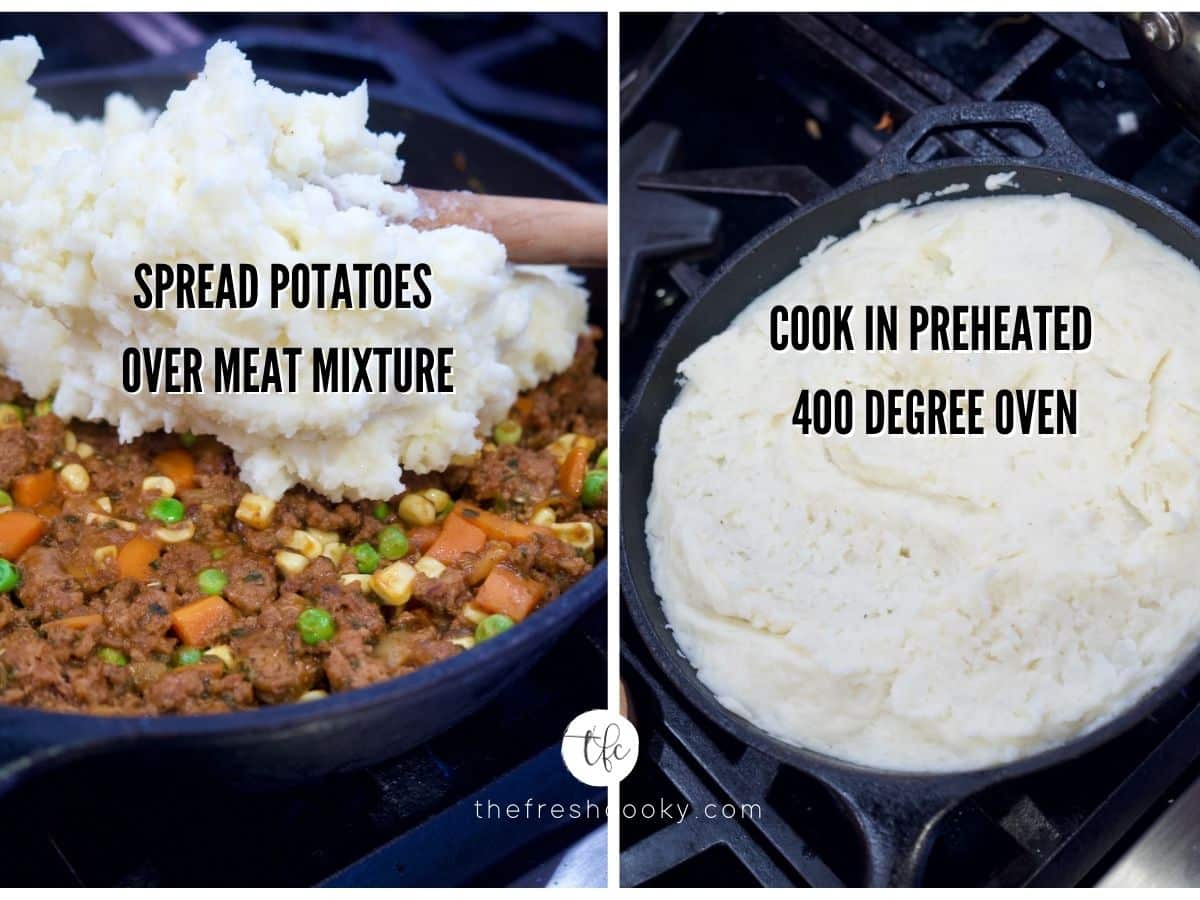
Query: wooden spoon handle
(533, 230)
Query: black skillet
(896, 813)
(284, 744)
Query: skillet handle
(31, 744)
(897, 854)
(1060, 150)
(899, 822)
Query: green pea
(212, 581)
(602, 459)
(365, 558)
(187, 439)
(112, 656)
(393, 543)
(44, 407)
(167, 510)
(5, 499)
(10, 576)
(492, 626)
(382, 511)
(594, 483)
(187, 656)
(315, 625)
(507, 432)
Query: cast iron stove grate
(411, 821)
(743, 118)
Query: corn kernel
(70, 442)
(104, 503)
(334, 552)
(98, 519)
(255, 510)
(473, 614)
(361, 582)
(429, 567)
(325, 537)
(158, 484)
(562, 446)
(544, 517)
(394, 585)
(75, 478)
(103, 554)
(415, 510)
(176, 534)
(567, 442)
(224, 653)
(466, 641)
(305, 543)
(85, 451)
(309, 696)
(290, 563)
(578, 534)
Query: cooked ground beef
(109, 596)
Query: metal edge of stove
(1168, 854)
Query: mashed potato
(943, 603)
(234, 170)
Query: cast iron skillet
(283, 744)
(896, 813)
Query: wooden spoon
(533, 230)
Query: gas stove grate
(814, 98)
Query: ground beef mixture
(145, 578)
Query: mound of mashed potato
(943, 603)
(235, 170)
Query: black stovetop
(402, 822)
(492, 66)
(735, 120)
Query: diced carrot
(179, 466)
(497, 527)
(199, 624)
(19, 530)
(458, 537)
(133, 560)
(77, 623)
(573, 470)
(48, 511)
(33, 489)
(508, 593)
